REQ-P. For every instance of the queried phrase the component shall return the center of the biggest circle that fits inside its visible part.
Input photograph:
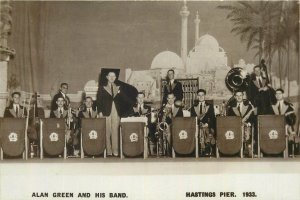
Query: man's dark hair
(201, 90)
(141, 93)
(280, 89)
(62, 84)
(171, 94)
(167, 77)
(59, 98)
(257, 66)
(235, 92)
(171, 70)
(18, 93)
(88, 97)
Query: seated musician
(62, 112)
(169, 111)
(206, 120)
(141, 110)
(282, 107)
(63, 90)
(244, 109)
(89, 111)
(15, 110)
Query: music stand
(143, 120)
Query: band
(253, 96)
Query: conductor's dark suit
(105, 100)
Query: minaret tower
(197, 22)
(184, 27)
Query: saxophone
(163, 125)
(162, 131)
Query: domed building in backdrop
(148, 81)
(205, 66)
(165, 59)
(206, 55)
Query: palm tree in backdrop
(251, 21)
(290, 23)
(269, 28)
(272, 28)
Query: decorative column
(197, 22)
(5, 52)
(184, 28)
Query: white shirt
(202, 104)
(141, 106)
(16, 106)
(172, 81)
(258, 78)
(60, 110)
(173, 106)
(64, 95)
(90, 110)
(240, 105)
(280, 103)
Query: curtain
(28, 33)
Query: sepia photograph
(149, 100)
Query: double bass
(35, 114)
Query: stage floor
(159, 166)
(152, 178)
